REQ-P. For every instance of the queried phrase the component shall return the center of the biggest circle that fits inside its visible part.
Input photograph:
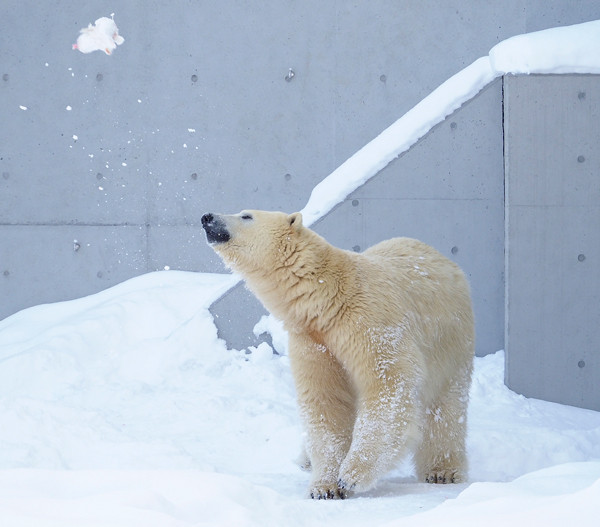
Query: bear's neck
(310, 290)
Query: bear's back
(413, 273)
(402, 247)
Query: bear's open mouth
(215, 228)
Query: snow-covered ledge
(560, 50)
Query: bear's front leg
(326, 402)
(386, 428)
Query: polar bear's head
(253, 239)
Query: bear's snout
(215, 228)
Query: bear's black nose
(215, 228)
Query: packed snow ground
(125, 409)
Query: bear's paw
(358, 473)
(328, 492)
(443, 476)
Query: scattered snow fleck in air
(124, 164)
(191, 130)
(68, 108)
(103, 35)
(23, 107)
(75, 137)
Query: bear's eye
(246, 216)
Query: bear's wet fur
(381, 346)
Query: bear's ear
(295, 220)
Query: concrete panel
(41, 264)
(553, 238)
(542, 14)
(235, 315)
(181, 247)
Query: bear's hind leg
(441, 457)
(326, 402)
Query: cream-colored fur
(380, 343)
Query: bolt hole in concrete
(581, 364)
(581, 257)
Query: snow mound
(562, 495)
(125, 408)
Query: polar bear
(381, 346)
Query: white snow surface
(569, 49)
(124, 408)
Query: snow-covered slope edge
(570, 49)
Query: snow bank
(124, 408)
(562, 495)
(571, 49)
(135, 377)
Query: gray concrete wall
(126, 196)
(553, 237)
